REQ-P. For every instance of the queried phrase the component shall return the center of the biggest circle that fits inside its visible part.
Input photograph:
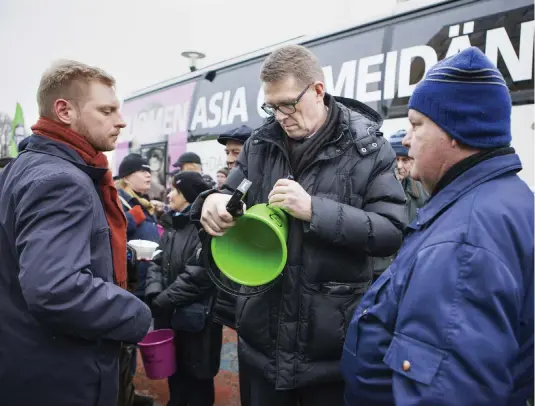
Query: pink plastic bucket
(158, 354)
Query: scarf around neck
(110, 200)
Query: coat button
(406, 365)
(363, 149)
(374, 145)
(365, 312)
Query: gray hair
(292, 60)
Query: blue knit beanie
(395, 141)
(468, 98)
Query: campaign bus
(377, 62)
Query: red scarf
(114, 212)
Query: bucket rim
(142, 344)
(281, 239)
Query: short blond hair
(67, 79)
(292, 60)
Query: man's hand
(292, 198)
(158, 206)
(215, 218)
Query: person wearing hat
(415, 194)
(222, 175)
(233, 142)
(414, 191)
(175, 287)
(134, 180)
(189, 161)
(451, 321)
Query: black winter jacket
(293, 334)
(175, 280)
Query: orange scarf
(112, 206)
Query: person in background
(209, 181)
(415, 194)
(323, 161)
(134, 181)
(414, 191)
(233, 142)
(189, 161)
(174, 285)
(64, 306)
(222, 175)
(156, 160)
(451, 320)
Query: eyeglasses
(285, 108)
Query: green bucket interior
(253, 252)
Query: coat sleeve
(53, 223)
(154, 278)
(459, 349)
(377, 226)
(191, 285)
(236, 175)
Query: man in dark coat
(65, 309)
(343, 205)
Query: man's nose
(121, 123)
(279, 115)
(406, 141)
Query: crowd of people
(409, 277)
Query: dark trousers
(245, 385)
(188, 391)
(263, 393)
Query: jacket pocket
(331, 307)
(414, 359)
(371, 311)
(254, 322)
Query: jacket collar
(362, 121)
(181, 219)
(43, 145)
(473, 177)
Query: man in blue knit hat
(451, 320)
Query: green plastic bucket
(253, 252)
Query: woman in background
(180, 295)
(134, 180)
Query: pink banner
(162, 116)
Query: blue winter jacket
(62, 318)
(451, 320)
(146, 230)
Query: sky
(140, 42)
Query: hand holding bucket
(254, 251)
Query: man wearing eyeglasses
(323, 161)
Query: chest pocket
(374, 318)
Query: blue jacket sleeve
(455, 340)
(53, 221)
(131, 225)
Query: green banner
(18, 133)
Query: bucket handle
(208, 262)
